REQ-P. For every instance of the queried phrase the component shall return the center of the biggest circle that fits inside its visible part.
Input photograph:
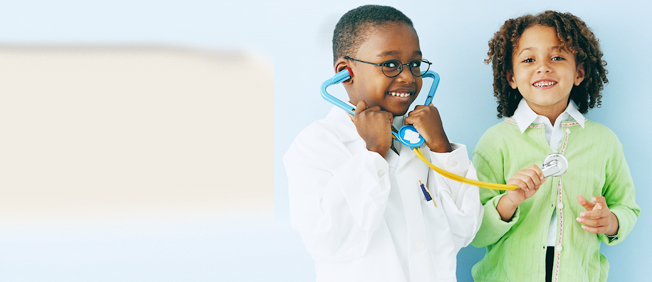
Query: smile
(400, 94)
(544, 83)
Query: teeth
(544, 84)
(397, 94)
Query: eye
(415, 64)
(558, 58)
(528, 60)
(391, 64)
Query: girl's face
(391, 41)
(543, 72)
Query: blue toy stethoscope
(553, 165)
(407, 134)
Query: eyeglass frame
(400, 66)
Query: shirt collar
(574, 112)
(525, 116)
(398, 122)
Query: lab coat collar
(525, 116)
(342, 119)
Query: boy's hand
(374, 126)
(427, 121)
(597, 218)
(529, 180)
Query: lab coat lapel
(408, 156)
(346, 132)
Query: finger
(534, 171)
(524, 183)
(593, 222)
(530, 176)
(595, 214)
(597, 230)
(585, 203)
(360, 107)
(600, 202)
(413, 116)
(537, 170)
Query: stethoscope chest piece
(409, 136)
(554, 165)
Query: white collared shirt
(525, 116)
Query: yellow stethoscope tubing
(346, 74)
(462, 179)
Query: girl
(548, 71)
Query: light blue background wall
(296, 35)
(454, 37)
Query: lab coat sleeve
(620, 194)
(490, 169)
(460, 201)
(337, 195)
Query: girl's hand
(597, 218)
(529, 180)
(374, 126)
(427, 121)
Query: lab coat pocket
(444, 250)
(435, 218)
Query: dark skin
(371, 91)
(375, 127)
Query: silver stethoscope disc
(554, 165)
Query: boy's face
(390, 41)
(542, 72)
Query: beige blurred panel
(110, 132)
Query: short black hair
(573, 34)
(352, 27)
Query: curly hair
(573, 35)
(351, 30)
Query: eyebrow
(558, 47)
(395, 53)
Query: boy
(354, 193)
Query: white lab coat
(365, 218)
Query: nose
(406, 75)
(543, 66)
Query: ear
(510, 79)
(342, 64)
(580, 74)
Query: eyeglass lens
(393, 68)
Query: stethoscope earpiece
(350, 72)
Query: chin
(399, 112)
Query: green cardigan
(516, 250)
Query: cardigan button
(381, 173)
(561, 206)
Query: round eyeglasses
(393, 68)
